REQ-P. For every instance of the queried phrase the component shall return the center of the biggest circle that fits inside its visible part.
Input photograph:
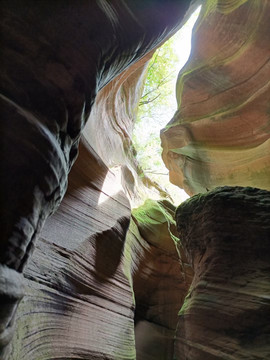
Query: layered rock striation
(220, 133)
(56, 56)
(105, 283)
(78, 302)
(225, 315)
(55, 60)
(114, 295)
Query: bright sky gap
(146, 133)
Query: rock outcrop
(220, 133)
(159, 280)
(226, 234)
(56, 56)
(110, 137)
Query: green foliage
(158, 84)
(158, 105)
(153, 114)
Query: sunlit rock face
(109, 131)
(115, 109)
(56, 57)
(110, 124)
(220, 133)
(226, 235)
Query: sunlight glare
(112, 185)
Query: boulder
(226, 313)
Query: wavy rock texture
(115, 108)
(56, 56)
(54, 62)
(82, 296)
(94, 289)
(79, 303)
(220, 133)
(226, 235)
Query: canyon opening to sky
(158, 105)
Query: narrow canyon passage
(97, 259)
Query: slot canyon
(96, 262)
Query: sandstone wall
(56, 57)
(220, 132)
(226, 313)
(103, 283)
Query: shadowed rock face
(159, 281)
(56, 56)
(226, 235)
(82, 295)
(220, 133)
(78, 302)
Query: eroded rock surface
(56, 56)
(114, 295)
(90, 277)
(220, 132)
(79, 303)
(226, 234)
(159, 281)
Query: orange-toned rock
(95, 289)
(220, 133)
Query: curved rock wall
(109, 129)
(78, 302)
(220, 133)
(55, 59)
(226, 235)
(56, 56)
(90, 278)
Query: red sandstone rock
(56, 56)
(86, 278)
(220, 133)
(79, 303)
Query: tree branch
(149, 100)
(155, 173)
